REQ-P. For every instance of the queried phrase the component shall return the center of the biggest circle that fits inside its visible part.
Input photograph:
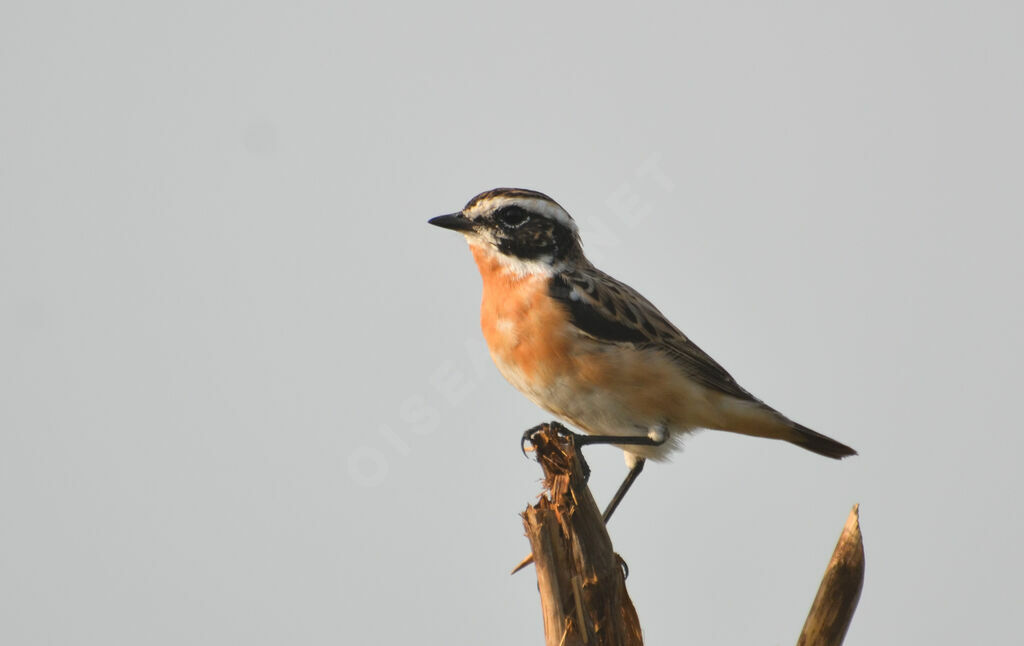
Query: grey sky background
(243, 392)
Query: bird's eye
(512, 216)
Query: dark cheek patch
(530, 241)
(537, 238)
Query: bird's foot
(623, 565)
(528, 437)
(577, 440)
(560, 430)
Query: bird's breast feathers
(525, 330)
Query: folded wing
(612, 312)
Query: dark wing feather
(613, 312)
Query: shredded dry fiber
(579, 575)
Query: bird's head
(528, 231)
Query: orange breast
(525, 329)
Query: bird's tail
(818, 443)
(756, 418)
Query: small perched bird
(592, 350)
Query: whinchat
(591, 349)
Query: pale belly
(615, 390)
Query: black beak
(453, 221)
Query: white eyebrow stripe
(545, 208)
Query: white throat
(517, 266)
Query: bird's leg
(656, 436)
(631, 477)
